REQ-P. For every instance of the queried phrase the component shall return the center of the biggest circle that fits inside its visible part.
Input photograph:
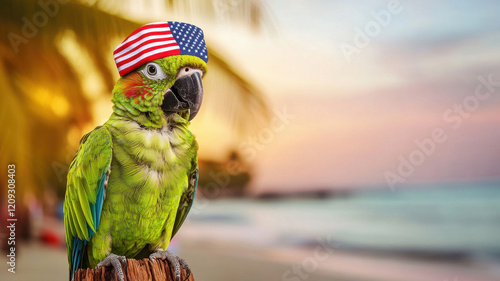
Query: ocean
(438, 221)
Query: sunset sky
(355, 119)
(357, 116)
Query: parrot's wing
(87, 178)
(187, 200)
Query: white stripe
(129, 48)
(142, 32)
(154, 52)
(142, 48)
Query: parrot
(133, 179)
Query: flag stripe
(153, 57)
(152, 37)
(146, 56)
(143, 48)
(144, 30)
(145, 51)
(129, 41)
(146, 42)
(124, 45)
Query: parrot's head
(159, 89)
(161, 67)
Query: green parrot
(133, 180)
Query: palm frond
(44, 94)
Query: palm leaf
(44, 95)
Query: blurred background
(339, 140)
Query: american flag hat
(158, 40)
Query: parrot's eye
(153, 71)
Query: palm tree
(50, 57)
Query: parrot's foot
(115, 261)
(174, 261)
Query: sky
(365, 93)
(360, 115)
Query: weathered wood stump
(137, 270)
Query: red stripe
(150, 58)
(143, 52)
(123, 46)
(144, 27)
(146, 43)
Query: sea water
(445, 220)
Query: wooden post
(137, 270)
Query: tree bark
(137, 270)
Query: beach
(223, 262)
(219, 261)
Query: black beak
(186, 93)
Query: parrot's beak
(186, 93)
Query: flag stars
(190, 39)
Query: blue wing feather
(95, 209)
(77, 253)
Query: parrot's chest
(153, 157)
(149, 171)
